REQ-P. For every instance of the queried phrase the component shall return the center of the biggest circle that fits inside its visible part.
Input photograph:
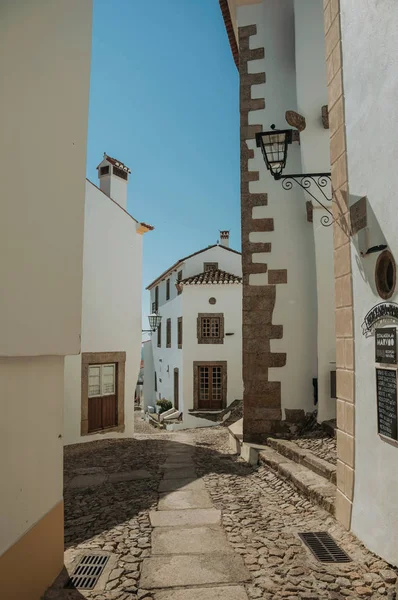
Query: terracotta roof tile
(182, 260)
(230, 31)
(115, 163)
(212, 276)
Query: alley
(183, 519)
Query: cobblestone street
(112, 487)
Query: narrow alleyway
(183, 519)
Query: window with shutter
(168, 289)
(210, 266)
(168, 333)
(160, 336)
(179, 332)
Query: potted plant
(163, 405)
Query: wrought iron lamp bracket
(320, 181)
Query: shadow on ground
(91, 511)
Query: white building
(100, 383)
(195, 357)
(43, 123)
(366, 151)
(287, 253)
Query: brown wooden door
(210, 387)
(176, 389)
(102, 405)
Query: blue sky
(164, 100)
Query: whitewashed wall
(369, 43)
(292, 240)
(315, 158)
(193, 300)
(229, 302)
(30, 445)
(228, 261)
(111, 319)
(41, 227)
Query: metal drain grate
(87, 571)
(324, 548)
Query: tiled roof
(212, 276)
(182, 260)
(230, 30)
(116, 163)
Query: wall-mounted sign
(382, 314)
(386, 388)
(386, 345)
(358, 215)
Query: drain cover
(87, 571)
(324, 548)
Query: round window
(385, 275)
(212, 300)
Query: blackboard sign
(386, 384)
(386, 345)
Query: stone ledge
(312, 486)
(305, 457)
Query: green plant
(164, 405)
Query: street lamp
(274, 146)
(154, 322)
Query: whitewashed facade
(369, 41)
(172, 372)
(287, 254)
(43, 123)
(100, 383)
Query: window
(179, 332)
(210, 328)
(210, 266)
(385, 275)
(168, 289)
(160, 336)
(179, 277)
(120, 173)
(104, 170)
(101, 380)
(168, 333)
(156, 299)
(156, 382)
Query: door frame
(103, 358)
(224, 378)
(176, 389)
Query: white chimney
(113, 178)
(224, 238)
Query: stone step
(231, 592)
(313, 486)
(191, 517)
(184, 499)
(208, 539)
(305, 457)
(179, 570)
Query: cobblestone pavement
(261, 515)
(322, 447)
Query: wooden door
(102, 401)
(210, 387)
(176, 389)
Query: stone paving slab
(129, 475)
(190, 540)
(184, 499)
(172, 485)
(178, 461)
(179, 518)
(179, 473)
(182, 570)
(85, 481)
(232, 592)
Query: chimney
(224, 238)
(113, 178)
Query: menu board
(386, 384)
(386, 345)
